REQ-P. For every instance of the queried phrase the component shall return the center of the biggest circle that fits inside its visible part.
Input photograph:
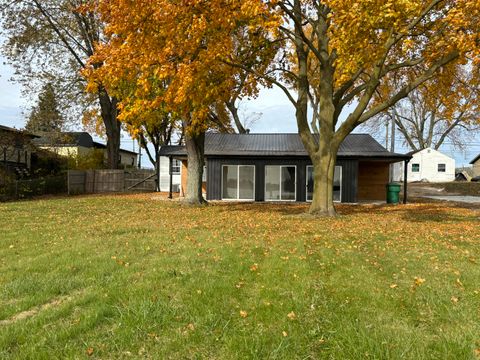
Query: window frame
(444, 168)
(418, 170)
(280, 190)
(179, 172)
(341, 183)
(238, 182)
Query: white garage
(427, 165)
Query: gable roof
(428, 150)
(72, 139)
(475, 160)
(354, 145)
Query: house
(81, 144)
(276, 167)
(427, 165)
(476, 166)
(16, 150)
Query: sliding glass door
(337, 184)
(238, 182)
(280, 183)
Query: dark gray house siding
(364, 162)
(214, 175)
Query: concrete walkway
(456, 198)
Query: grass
(127, 277)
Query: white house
(427, 165)
(165, 174)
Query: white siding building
(427, 165)
(165, 174)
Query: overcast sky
(274, 111)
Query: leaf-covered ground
(120, 277)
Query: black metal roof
(354, 145)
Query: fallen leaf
(90, 351)
(291, 315)
(418, 281)
(243, 314)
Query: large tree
(435, 114)
(50, 41)
(340, 53)
(162, 43)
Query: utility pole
(386, 134)
(392, 143)
(139, 155)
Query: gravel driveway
(456, 198)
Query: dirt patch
(37, 309)
(451, 188)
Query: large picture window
(280, 183)
(238, 182)
(337, 184)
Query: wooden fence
(110, 181)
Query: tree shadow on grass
(413, 212)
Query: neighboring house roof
(103, 146)
(72, 139)
(9, 129)
(475, 160)
(354, 145)
(428, 150)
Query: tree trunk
(109, 113)
(195, 145)
(323, 175)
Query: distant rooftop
(13, 130)
(67, 139)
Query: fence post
(16, 189)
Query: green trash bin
(393, 193)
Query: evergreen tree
(45, 116)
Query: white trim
(280, 184)
(179, 167)
(341, 183)
(238, 183)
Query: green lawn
(128, 277)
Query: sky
(272, 109)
